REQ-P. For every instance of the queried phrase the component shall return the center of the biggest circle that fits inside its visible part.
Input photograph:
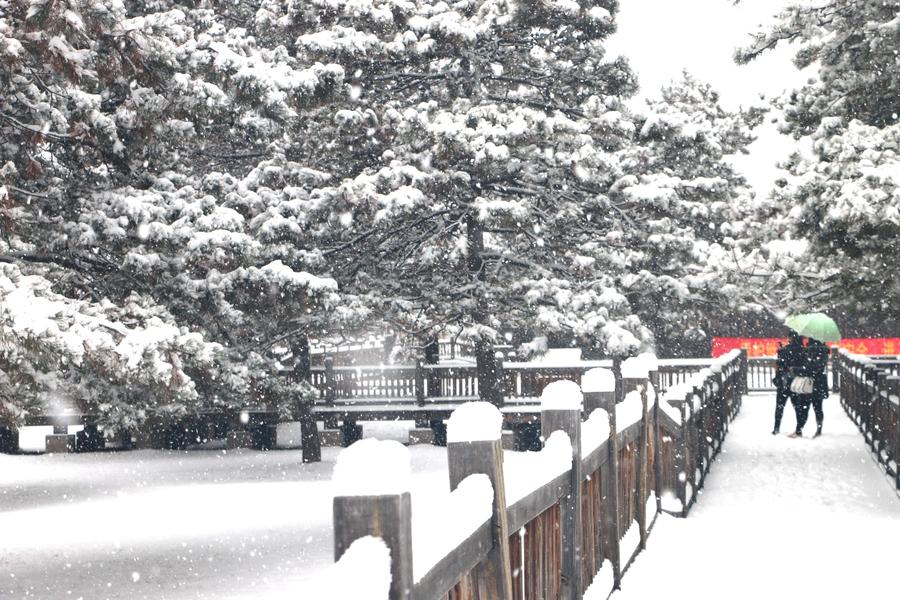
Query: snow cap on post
(475, 422)
(372, 467)
(639, 367)
(562, 395)
(598, 380)
(650, 360)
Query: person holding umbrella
(810, 386)
(817, 359)
(789, 357)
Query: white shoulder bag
(802, 386)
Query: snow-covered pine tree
(692, 204)
(477, 150)
(843, 196)
(143, 182)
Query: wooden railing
(760, 374)
(422, 392)
(870, 393)
(579, 524)
(424, 383)
(522, 382)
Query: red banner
(759, 347)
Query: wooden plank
(590, 536)
(451, 569)
(531, 506)
(631, 435)
(515, 561)
(493, 576)
(387, 517)
(330, 391)
(569, 421)
(655, 412)
(598, 457)
(672, 427)
(642, 452)
(420, 383)
(609, 485)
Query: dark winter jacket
(817, 366)
(790, 359)
(794, 357)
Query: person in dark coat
(798, 365)
(782, 381)
(817, 360)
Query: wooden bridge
(581, 528)
(428, 394)
(348, 395)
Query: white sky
(661, 38)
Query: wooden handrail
(682, 452)
(870, 394)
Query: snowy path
(779, 518)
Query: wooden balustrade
(760, 373)
(870, 394)
(573, 531)
(522, 382)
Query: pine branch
(59, 137)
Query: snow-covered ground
(778, 518)
(175, 525)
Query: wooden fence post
(561, 405)
(643, 454)
(465, 456)
(700, 417)
(383, 513)
(835, 369)
(871, 390)
(683, 459)
(632, 384)
(893, 390)
(875, 409)
(420, 385)
(745, 369)
(610, 483)
(635, 372)
(331, 422)
(657, 440)
(842, 383)
(599, 387)
(722, 405)
(500, 391)
(617, 373)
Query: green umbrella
(818, 326)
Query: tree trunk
(309, 433)
(486, 364)
(432, 355)
(390, 341)
(302, 362)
